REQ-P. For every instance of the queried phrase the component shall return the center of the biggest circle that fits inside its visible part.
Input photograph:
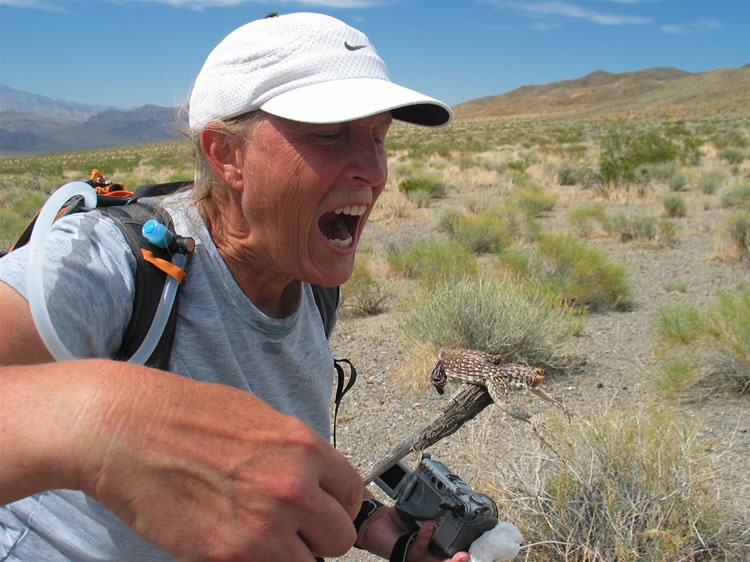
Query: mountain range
(31, 124)
(660, 90)
(35, 124)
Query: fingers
(419, 549)
(328, 530)
(342, 482)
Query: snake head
(438, 377)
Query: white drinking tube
(35, 264)
(35, 281)
(161, 317)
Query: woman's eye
(328, 135)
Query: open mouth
(340, 225)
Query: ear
(223, 153)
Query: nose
(369, 164)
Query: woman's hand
(203, 471)
(380, 532)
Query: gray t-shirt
(221, 337)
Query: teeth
(341, 243)
(355, 210)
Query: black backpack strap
(342, 389)
(327, 301)
(159, 189)
(149, 280)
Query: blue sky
(127, 53)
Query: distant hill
(24, 102)
(31, 124)
(663, 90)
(34, 124)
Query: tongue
(334, 227)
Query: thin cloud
(692, 28)
(195, 4)
(573, 11)
(33, 4)
(545, 26)
(632, 2)
(202, 4)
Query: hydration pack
(154, 259)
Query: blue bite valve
(156, 233)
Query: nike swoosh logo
(353, 47)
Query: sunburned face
(308, 190)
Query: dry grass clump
(431, 260)
(738, 229)
(517, 320)
(622, 485)
(673, 205)
(579, 274)
(705, 348)
(481, 233)
(391, 205)
(363, 294)
(17, 208)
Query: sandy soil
(614, 353)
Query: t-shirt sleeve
(89, 282)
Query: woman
(227, 456)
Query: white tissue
(502, 542)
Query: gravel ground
(614, 354)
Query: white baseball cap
(304, 67)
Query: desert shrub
(421, 198)
(476, 205)
(494, 164)
(518, 165)
(533, 202)
(429, 184)
(667, 234)
(678, 182)
(574, 175)
(448, 219)
(737, 196)
(582, 275)
(674, 205)
(710, 181)
(634, 227)
(483, 233)
(729, 138)
(732, 155)
(581, 218)
(515, 319)
(17, 208)
(717, 335)
(625, 152)
(675, 287)
(690, 150)
(431, 260)
(464, 162)
(362, 294)
(408, 168)
(571, 151)
(627, 485)
(663, 171)
(738, 227)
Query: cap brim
(338, 101)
